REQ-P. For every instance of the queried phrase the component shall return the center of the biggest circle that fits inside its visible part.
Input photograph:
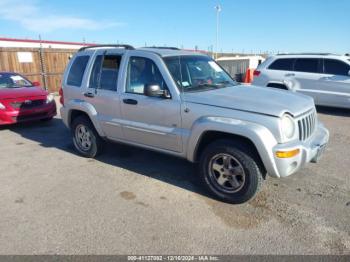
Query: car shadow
(333, 111)
(165, 168)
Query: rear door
(102, 90)
(335, 84)
(306, 76)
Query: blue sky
(258, 26)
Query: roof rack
(163, 47)
(128, 47)
(305, 54)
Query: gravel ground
(132, 201)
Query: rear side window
(335, 67)
(96, 72)
(307, 65)
(77, 70)
(284, 64)
(109, 72)
(105, 72)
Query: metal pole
(217, 34)
(42, 64)
(218, 9)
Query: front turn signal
(287, 154)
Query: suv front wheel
(85, 138)
(230, 172)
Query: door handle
(130, 101)
(289, 74)
(89, 94)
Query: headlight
(2, 106)
(288, 126)
(49, 98)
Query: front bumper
(18, 116)
(310, 151)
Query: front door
(149, 121)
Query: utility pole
(218, 10)
(42, 63)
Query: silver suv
(184, 104)
(324, 77)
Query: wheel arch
(278, 85)
(84, 109)
(210, 136)
(257, 137)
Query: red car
(22, 100)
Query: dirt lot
(131, 201)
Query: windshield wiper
(216, 85)
(206, 85)
(226, 82)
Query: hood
(261, 100)
(11, 93)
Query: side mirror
(36, 83)
(153, 90)
(349, 73)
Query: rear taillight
(256, 73)
(60, 92)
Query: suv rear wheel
(230, 172)
(85, 138)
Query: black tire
(246, 162)
(96, 145)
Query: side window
(96, 72)
(142, 71)
(334, 67)
(104, 74)
(284, 64)
(77, 71)
(307, 65)
(109, 72)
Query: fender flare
(282, 83)
(86, 108)
(259, 135)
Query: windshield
(197, 73)
(13, 81)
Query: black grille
(28, 104)
(29, 117)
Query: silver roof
(163, 51)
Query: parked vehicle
(185, 104)
(22, 100)
(325, 77)
(237, 66)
